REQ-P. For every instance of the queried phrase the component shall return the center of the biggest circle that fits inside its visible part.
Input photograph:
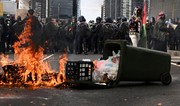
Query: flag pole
(144, 35)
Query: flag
(143, 39)
(144, 14)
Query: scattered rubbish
(106, 70)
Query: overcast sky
(91, 9)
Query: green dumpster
(139, 64)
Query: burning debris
(12, 74)
(28, 66)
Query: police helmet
(31, 11)
(98, 19)
(108, 19)
(74, 18)
(124, 19)
(119, 19)
(81, 19)
(2, 18)
(19, 18)
(8, 16)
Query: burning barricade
(28, 66)
(16, 74)
(40, 74)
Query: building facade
(171, 8)
(56, 8)
(121, 8)
(64, 8)
(111, 8)
(14, 7)
(126, 8)
(40, 7)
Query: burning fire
(62, 62)
(28, 66)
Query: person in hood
(160, 33)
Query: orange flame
(4, 60)
(39, 71)
(62, 61)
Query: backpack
(109, 29)
(82, 29)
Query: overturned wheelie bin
(139, 64)
(135, 64)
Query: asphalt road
(125, 94)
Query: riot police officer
(71, 32)
(108, 31)
(4, 35)
(81, 36)
(119, 22)
(124, 30)
(96, 34)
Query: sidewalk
(175, 57)
(174, 53)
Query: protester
(160, 33)
(149, 31)
(135, 26)
(35, 29)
